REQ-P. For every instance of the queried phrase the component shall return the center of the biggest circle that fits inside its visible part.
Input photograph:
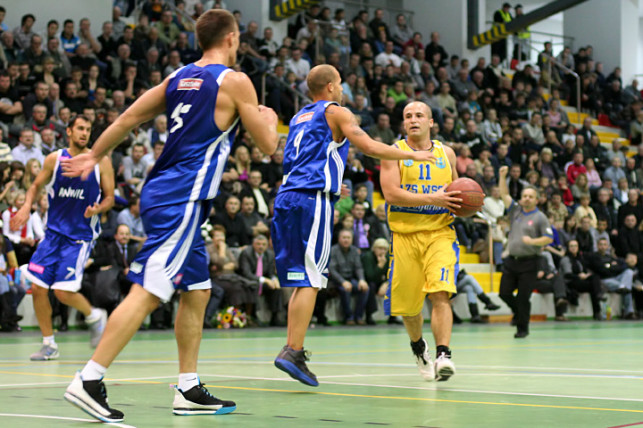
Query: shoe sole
(195, 412)
(444, 374)
(294, 372)
(46, 358)
(78, 402)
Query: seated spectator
(159, 131)
(464, 160)
(632, 206)
(131, 217)
(150, 158)
(375, 262)
(629, 239)
(633, 174)
(615, 275)
(257, 264)
(235, 228)
(583, 210)
(11, 291)
(346, 274)
(556, 208)
(585, 235)
(549, 280)
(254, 222)
(579, 279)
(361, 227)
(135, 168)
(382, 129)
(26, 149)
(622, 191)
(379, 227)
(593, 177)
(23, 240)
(466, 283)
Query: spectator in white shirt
(22, 239)
(134, 167)
(298, 65)
(388, 57)
(26, 149)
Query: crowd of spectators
(490, 116)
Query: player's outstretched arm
(502, 186)
(259, 120)
(43, 177)
(344, 121)
(396, 195)
(147, 107)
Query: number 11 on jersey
(425, 172)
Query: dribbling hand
(448, 200)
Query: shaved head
(422, 106)
(319, 78)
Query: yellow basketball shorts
(421, 263)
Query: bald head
(419, 105)
(319, 78)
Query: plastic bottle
(608, 312)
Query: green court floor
(580, 374)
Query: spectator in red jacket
(576, 167)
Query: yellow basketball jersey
(422, 177)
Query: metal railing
(552, 60)
(297, 94)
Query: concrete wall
(98, 11)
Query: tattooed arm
(344, 124)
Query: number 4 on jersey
(176, 115)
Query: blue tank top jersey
(312, 160)
(69, 197)
(195, 154)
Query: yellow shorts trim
(421, 263)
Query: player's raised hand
(19, 220)
(502, 172)
(79, 166)
(444, 199)
(268, 115)
(424, 156)
(92, 210)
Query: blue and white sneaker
(90, 396)
(294, 363)
(198, 401)
(46, 353)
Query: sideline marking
(62, 418)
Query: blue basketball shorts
(302, 230)
(174, 255)
(59, 262)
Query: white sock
(188, 381)
(93, 316)
(49, 340)
(93, 371)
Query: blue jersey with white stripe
(312, 159)
(195, 154)
(69, 197)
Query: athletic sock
(93, 371)
(49, 340)
(441, 348)
(418, 347)
(93, 316)
(188, 381)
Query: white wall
(98, 11)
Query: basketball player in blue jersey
(204, 102)
(423, 244)
(314, 161)
(73, 225)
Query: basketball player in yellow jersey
(423, 245)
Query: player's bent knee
(63, 295)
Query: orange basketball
(471, 194)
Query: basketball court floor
(579, 374)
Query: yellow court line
(338, 394)
(37, 374)
(440, 400)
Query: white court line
(475, 391)
(61, 418)
(133, 379)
